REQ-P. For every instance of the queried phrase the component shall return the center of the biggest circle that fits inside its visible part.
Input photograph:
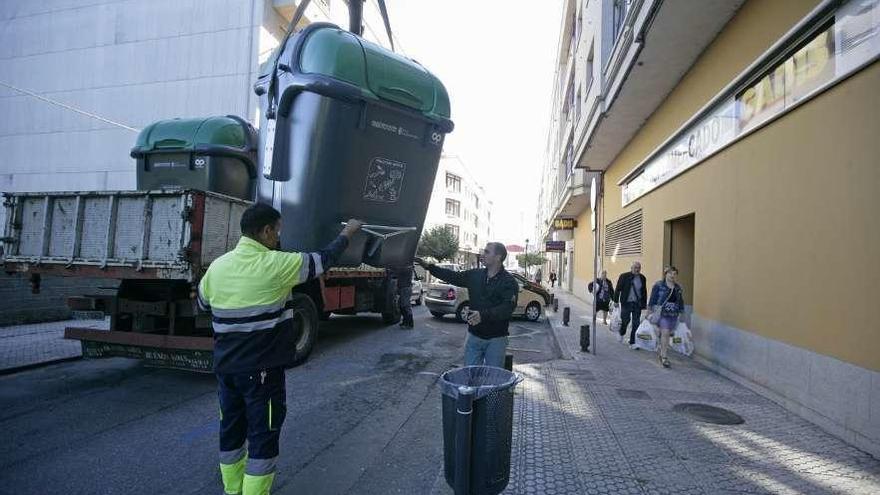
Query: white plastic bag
(681, 340)
(646, 336)
(615, 320)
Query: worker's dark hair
(255, 218)
(499, 249)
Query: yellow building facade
(775, 229)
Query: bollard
(566, 315)
(508, 362)
(464, 409)
(555, 305)
(585, 338)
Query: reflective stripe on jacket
(248, 293)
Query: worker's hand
(474, 318)
(351, 227)
(422, 263)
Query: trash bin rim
(481, 390)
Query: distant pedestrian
(492, 293)
(631, 295)
(552, 279)
(602, 290)
(539, 275)
(666, 304)
(404, 296)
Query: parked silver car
(418, 291)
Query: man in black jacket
(631, 294)
(492, 293)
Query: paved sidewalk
(28, 345)
(605, 424)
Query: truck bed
(167, 234)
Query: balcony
(572, 197)
(657, 44)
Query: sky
(496, 59)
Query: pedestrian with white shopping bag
(666, 304)
(602, 290)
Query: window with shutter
(623, 237)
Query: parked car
(443, 299)
(536, 288)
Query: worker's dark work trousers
(252, 407)
(404, 301)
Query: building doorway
(678, 251)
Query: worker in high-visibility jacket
(248, 293)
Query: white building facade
(461, 204)
(79, 78)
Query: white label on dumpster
(269, 148)
(384, 180)
(394, 129)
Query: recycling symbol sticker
(384, 180)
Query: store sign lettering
(565, 224)
(554, 246)
(832, 54)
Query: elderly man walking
(631, 294)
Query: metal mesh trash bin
(491, 427)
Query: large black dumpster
(217, 154)
(486, 468)
(357, 132)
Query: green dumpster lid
(186, 134)
(380, 73)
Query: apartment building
(737, 141)
(461, 204)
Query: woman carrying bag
(604, 289)
(666, 304)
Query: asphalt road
(363, 417)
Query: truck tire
(305, 316)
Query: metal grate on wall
(624, 237)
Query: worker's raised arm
(298, 268)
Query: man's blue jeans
(489, 352)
